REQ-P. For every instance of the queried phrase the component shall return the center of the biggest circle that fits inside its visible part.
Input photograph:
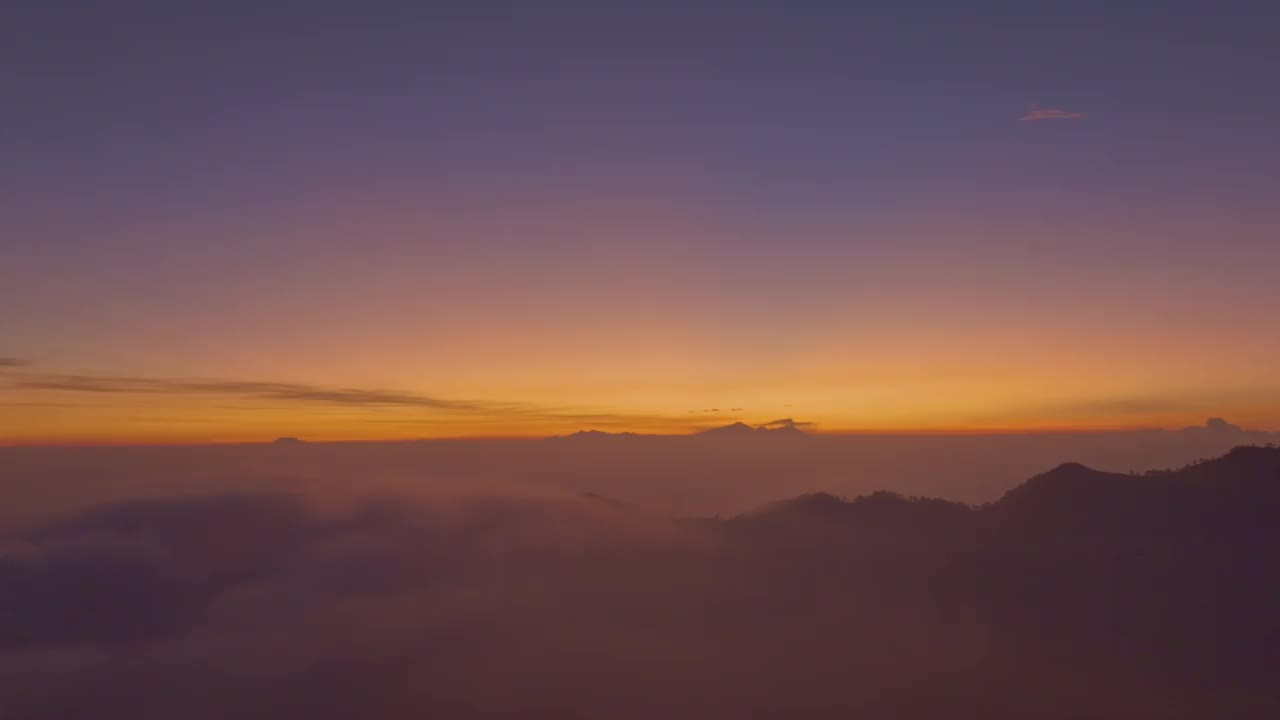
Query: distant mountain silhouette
(1217, 430)
(1220, 425)
(288, 441)
(777, 428)
(737, 429)
(595, 435)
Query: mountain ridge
(1236, 491)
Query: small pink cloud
(1039, 113)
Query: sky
(233, 221)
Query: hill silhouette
(1237, 492)
(1170, 572)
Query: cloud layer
(269, 605)
(357, 592)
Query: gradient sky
(234, 220)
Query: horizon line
(865, 432)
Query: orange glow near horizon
(394, 342)
(88, 409)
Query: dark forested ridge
(1172, 576)
(1236, 493)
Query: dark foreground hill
(1173, 576)
(1238, 493)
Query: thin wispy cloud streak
(324, 396)
(11, 362)
(1037, 113)
(264, 390)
